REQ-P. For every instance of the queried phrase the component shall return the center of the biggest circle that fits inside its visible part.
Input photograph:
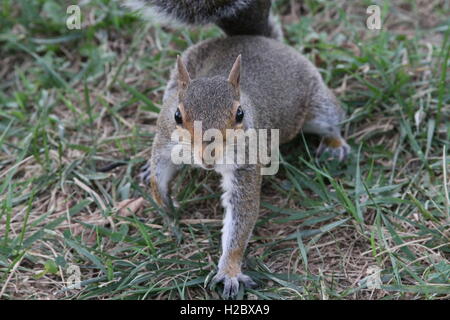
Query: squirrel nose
(207, 158)
(199, 148)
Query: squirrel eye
(239, 115)
(178, 118)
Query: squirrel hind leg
(336, 147)
(325, 123)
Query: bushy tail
(235, 17)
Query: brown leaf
(128, 207)
(352, 47)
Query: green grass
(73, 102)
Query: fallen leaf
(130, 206)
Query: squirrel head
(215, 101)
(212, 101)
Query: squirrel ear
(183, 75)
(235, 73)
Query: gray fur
(235, 17)
(220, 99)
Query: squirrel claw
(247, 281)
(339, 152)
(144, 174)
(231, 284)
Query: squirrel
(238, 82)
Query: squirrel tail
(234, 17)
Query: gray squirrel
(239, 82)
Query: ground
(73, 102)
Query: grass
(75, 101)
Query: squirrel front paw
(231, 283)
(337, 148)
(144, 174)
